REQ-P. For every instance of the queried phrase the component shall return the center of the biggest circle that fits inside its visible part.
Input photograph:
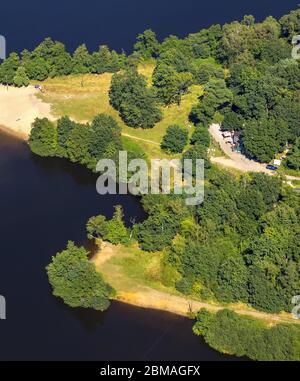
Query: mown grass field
(84, 96)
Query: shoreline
(180, 306)
(146, 297)
(15, 133)
(19, 108)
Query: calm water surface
(43, 203)
(117, 22)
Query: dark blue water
(117, 22)
(44, 203)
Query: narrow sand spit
(19, 107)
(146, 297)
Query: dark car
(272, 167)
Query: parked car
(272, 167)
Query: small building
(277, 162)
(226, 134)
(236, 137)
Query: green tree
(106, 61)
(116, 231)
(289, 71)
(64, 128)
(113, 230)
(201, 136)
(262, 293)
(157, 231)
(232, 121)
(288, 109)
(51, 57)
(60, 61)
(206, 42)
(43, 137)
(251, 201)
(290, 24)
(232, 280)
(169, 84)
(293, 158)
(78, 144)
(203, 112)
(270, 187)
(75, 279)
(135, 102)
(275, 51)
(197, 151)
(175, 139)
(21, 78)
(147, 45)
(104, 131)
(81, 60)
(8, 69)
(37, 69)
(203, 72)
(179, 58)
(216, 96)
(96, 227)
(263, 139)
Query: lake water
(117, 22)
(44, 203)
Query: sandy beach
(18, 109)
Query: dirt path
(237, 160)
(147, 297)
(19, 108)
(141, 139)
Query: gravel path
(237, 160)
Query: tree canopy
(135, 102)
(175, 139)
(74, 279)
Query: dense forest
(242, 243)
(231, 333)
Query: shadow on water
(80, 175)
(89, 319)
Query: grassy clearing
(84, 96)
(173, 114)
(130, 269)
